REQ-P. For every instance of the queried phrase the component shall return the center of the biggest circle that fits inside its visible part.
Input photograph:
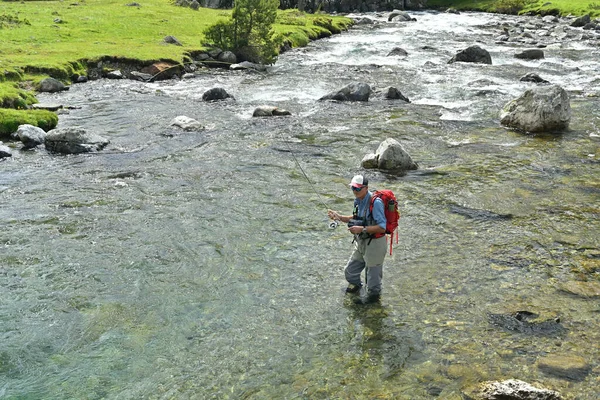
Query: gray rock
(399, 15)
(581, 21)
(541, 109)
(172, 40)
(472, 54)
(248, 65)
(140, 76)
(351, 92)
(31, 136)
(227, 57)
(51, 85)
(512, 389)
(533, 77)
(391, 93)
(530, 54)
(397, 51)
(186, 123)
(74, 140)
(390, 155)
(116, 74)
(269, 111)
(4, 151)
(215, 94)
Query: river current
(199, 265)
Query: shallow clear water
(199, 264)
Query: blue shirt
(363, 210)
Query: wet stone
(568, 367)
(528, 323)
(582, 289)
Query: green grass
(58, 38)
(90, 29)
(560, 7)
(11, 119)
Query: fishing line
(333, 224)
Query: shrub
(249, 32)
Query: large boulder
(74, 140)
(473, 54)
(31, 136)
(353, 92)
(540, 109)
(51, 85)
(391, 156)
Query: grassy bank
(555, 7)
(59, 38)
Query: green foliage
(510, 6)
(249, 33)
(11, 119)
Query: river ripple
(199, 264)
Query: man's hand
(334, 215)
(355, 230)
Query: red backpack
(390, 209)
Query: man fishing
(368, 225)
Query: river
(199, 265)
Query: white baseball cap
(359, 181)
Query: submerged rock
(527, 322)
(473, 213)
(569, 367)
(186, 123)
(269, 111)
(582, 289)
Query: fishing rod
(333, 224)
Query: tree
(249, 32)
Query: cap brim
(356, 185)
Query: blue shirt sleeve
(378, 214)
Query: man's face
(359, 192)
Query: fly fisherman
(368, 227)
